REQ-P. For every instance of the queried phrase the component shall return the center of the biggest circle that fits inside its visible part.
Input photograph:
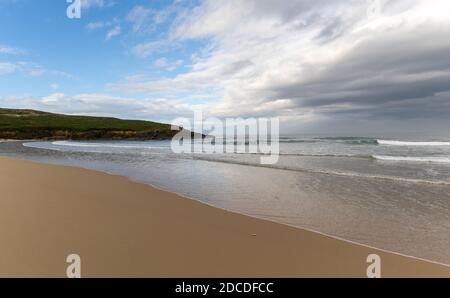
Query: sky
(341, 66)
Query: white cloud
(102, 105)
(92, 26)
(7, 68)
(96, 3)
(161, 63)
(164, 63)
(36, 72)
(95, 25)
(139, 16)
(31, 69)
(144, 50)
(9, 50)
(113, 32)
(146, 19)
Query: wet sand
(123, 229)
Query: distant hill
(30, 124)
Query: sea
(387, 192)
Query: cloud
(113, 32)
(95, 25)
(314, 60)
(145, 50)
(96, 3)
(31, 69)
(7, 68)
(139, 16)
(9, 50)
(146, 19)
(164, 63)
(103, 105)
(92, 26)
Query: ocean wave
(67, 143)
(372, 157)
(405, 143)
(280, 140)
(297, 141)
(326, 172)
(102, 145)
(413, 159)
(292, 167)
(360, 156)
(351, 140)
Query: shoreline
(241, 213)
(125, 228)
(276, 222)
(399, 250)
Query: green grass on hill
(25, 124)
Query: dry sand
(124, 229)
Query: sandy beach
(125, 229)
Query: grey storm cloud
(380, 73)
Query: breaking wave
(404, 143)
(413, 159)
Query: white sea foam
(413, 159)
(102, 145)
(403, 143)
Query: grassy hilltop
(30, 124)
